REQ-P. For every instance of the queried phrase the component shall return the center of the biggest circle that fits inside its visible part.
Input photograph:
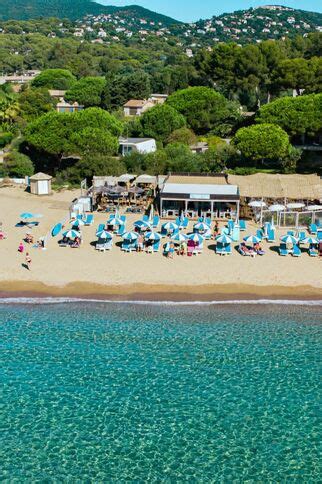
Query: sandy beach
(85, 272)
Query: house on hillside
(135, 107)
(64, 107)
(137, 145)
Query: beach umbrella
(56, 229)
(224, 239)
(77, 222)
(154, 236)
(179, 237)
(116, 220)
(276, 208)
(104, 234)
(252, 239)
(257, 204)
(130, 236)
(26, 215)
(71, 234)
(295, 205)
(142, 224)
(201, 226)
(289, 239)
(310, 240)
(196, 238)
(313, 208)
(170, 226)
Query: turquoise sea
(107, 392)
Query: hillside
(73, 10)
(254, 24)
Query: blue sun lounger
(271, 236)
(296, 251)
(283, 250)
(259, 234)
(89, 219)
(319, 235)
(121, 229)
(301, 236)
(155, 221)
(145, 218)
(101, 227)
(227, 249)
(242, 225)
(313, 253)
(313, 229)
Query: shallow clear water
(108, 392)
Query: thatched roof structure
(292, 187)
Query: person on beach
(28, 261)
(216, 230)
(21, 247)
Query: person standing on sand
(28, 261)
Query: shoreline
(145, 292)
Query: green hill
(73, 10)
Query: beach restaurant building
(196, 195)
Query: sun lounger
(121, 229)
(178, 221)
(156, 246)
(108, 245)
(89, 219)
(156, 221)
(219, 248)
(145, 218)
(271, 235)
(166, 248)
(208, 221)
(313, 253)
(100, 247)
(301, 236)
(227, 249)
(319, 235)
(207, 235)
(313, 229)
(260, 234)
(101, 227)
(283, 250)
(296, 252)
(290, 232)
(242, 225)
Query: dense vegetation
(72, 9)
(209, 97)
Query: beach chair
(101, 227)
(207, 235)
(313, 252)
(271, 235)
(319, 235)
(242, 225)
(301, 236)
(108, 245)
(121, 229)
(290, 232)
(100, 246)
(145, 218)
(283, 250)
(313, 229)
(185, 222)
(296, 252)
(166, 249)
(208, 221)
(260, 234)
(156, 246)
(227, 249)
(219, 248)
(155, 221)
(178, 221)
(126, 246)
(89, 219)
(230, 225)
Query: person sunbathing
(2, 235)
(29, 239)
(246, 250)
(258, 249)
(21, 247)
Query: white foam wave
(66, 300)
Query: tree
(294, 74)
(35, 102)
(19, 165)
(298, 116)
(262, 142)
(204, 109)
(160, 121)
(183, 135)
(94, 140)
(91, 165)
(54, 79)
(122, 87)
(87, 91)
(66, 134)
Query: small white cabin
(137, 145)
